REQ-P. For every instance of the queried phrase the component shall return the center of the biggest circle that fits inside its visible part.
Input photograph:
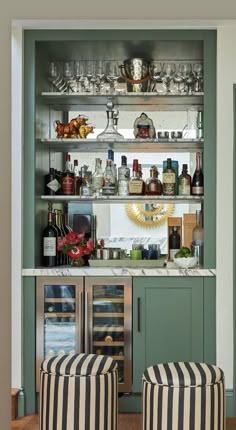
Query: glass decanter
(110, 131)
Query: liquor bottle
(66, 219)
(123, 177)
(67, 181)
(51, 183)
(59, 237)
(198, 231)
(169, 180)
(185, 182)
(108, 188)
(174, 243)
(50, 242)
(199, 134)
(97, 178)
(77, 179)
(197, 186)
(113, 166)
(153, 184)
(85, 188)
(136, 184)
(197, 246)
(58, 175)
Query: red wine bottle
(50, 243)
(197, 186)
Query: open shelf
(125, 145)
(125, 199)
(160, 102)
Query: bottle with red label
(67, 180)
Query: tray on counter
(128, 263)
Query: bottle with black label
(169, 180)
(51, 183)
(50, 242)
(197, 186)
(174, 243)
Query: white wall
(45, 10)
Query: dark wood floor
(126, 422)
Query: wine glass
(90, 74)
(68, 74)
(112, 75)
(178, 78)
(186, 71)
(100, 74)
(156, 73)
(55, 78)
(198, 75)
(78, 74)
(169, 70)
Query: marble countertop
(170, 270)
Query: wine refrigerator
(90, 315)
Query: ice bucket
(135, 71)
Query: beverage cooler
(91, 315)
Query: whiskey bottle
(153, 184)
(51, 183)
(123, 177)
(185, 182)
(136, 184)
(169, 180)
(67, 181)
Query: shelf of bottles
(60, 310)
(124, 199)
(126, 145)
(108, 324)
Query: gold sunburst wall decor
(149, 215)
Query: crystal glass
(90, 75)
(112, 74)
(55, 78)
(186, 72)
(156, 71)
(198, 75)
(79, 72)
(178, 78)
(68, 74)
(100, 74)
(169, 70)
(110, 131)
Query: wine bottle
(197, 186)
(50, 242)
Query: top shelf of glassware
(154, 101)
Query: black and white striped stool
(183, 396)
(78, 392)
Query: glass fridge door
(59, 317)
(108, 319)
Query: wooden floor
(126, 422)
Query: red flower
(72, 238)
(61, 244)
(75, 252)
(90, 244)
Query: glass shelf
(126, 145)
(162, 102)
(125, 199)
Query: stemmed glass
(90, 74)
(55, 77)
(178, 78)
(198, 75)
(185, 70)
(79, 75)
(169, 70)
(112, 75)
(156, 74)
(68, 74)
(100, 74)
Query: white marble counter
(117, 271)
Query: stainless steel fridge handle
(86, 325)
(138, 312)
(81, 328)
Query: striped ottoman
(78, 392)
(183, 396)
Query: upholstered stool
(183, 396)
(78, 391)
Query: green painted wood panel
(171, 322)
(209, 320)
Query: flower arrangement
(75, 246)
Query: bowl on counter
(186, 262)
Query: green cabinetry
(170, 321)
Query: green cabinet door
(167, 322)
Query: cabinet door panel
(168, 322)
